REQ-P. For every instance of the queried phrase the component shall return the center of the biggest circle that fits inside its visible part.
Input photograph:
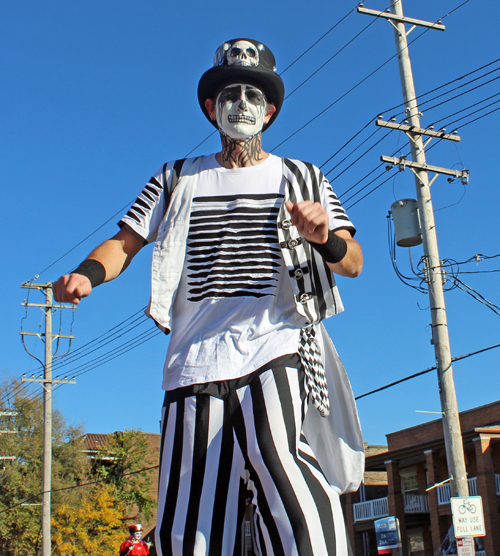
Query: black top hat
(242, 61)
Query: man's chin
(241, 131)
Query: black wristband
(334, 250)
(93, 270)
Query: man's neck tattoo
(242, 152)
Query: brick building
(398, 477)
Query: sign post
(388, 537)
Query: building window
(409, 482)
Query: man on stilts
(257, 404)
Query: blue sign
(387, 531)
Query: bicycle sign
(468, 519)
(467, 506)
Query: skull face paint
(241, 110)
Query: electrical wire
(120, 212)
(354, 87)
(476, 295)
(362, 179)
(465, 109)
(407, 280)
(359, 157)
(497, 60)
(360, 82)
(319, 40)
(373, 119)
(330, 59)
(97, 343)
(428, 370)
(110, 356)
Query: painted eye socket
(229, 95)
(254, 96)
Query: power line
(330, 59)
(319, 40)
(439, 96)
(359, 157)
(359, 83)
(113, 354)
(476, 295)
(367, 175)
(83, 240)
(461, 94)
(459, 358)
(94, 345)
(423, 103)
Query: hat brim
(218, 77)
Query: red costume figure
(134, 545)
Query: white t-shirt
(234, 310)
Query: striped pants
(231, 442)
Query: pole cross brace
(401, 19)
(42, 335)
(45, 380)
(414, 166)
(411, 130)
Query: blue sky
(97, 95)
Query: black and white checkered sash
(315, 383)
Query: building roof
(96, 442)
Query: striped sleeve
(338, 216)
(146, 213)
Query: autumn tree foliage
(94, 526)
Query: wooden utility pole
(434, 273)
(47, 383)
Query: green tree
(122, 465)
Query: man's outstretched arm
(114, 255)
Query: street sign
(465, 547)
(468, 518)
(387, 531)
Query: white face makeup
(241, 110)
(138, 535)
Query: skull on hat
(243, 53)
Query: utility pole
(434, 273)
(47, 382)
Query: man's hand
(312, 223)
(114, 254)
(311, 220)
(70, 288)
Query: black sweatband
(93, 270)
(334, 250)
